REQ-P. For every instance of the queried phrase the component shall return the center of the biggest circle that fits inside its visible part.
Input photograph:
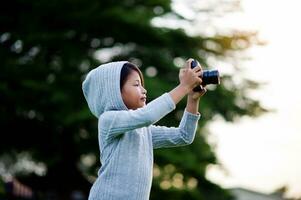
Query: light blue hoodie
(127, 137)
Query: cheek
(129, 95)
(134, 91)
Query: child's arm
(170, 137)
(193, 101)
(114, 123)
(184, 134)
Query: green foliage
(47, 47)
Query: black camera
(208, 77)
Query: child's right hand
(190, 78)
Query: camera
(208, 77)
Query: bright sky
(263, 154)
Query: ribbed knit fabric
(127, 137)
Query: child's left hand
(196, 95)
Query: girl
(116, 96)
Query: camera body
(208, 77)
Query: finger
(203, 91)
(197, 69)
(201, 67)
(188, 63)
(200, 73)
(200, 81)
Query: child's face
(133, 93)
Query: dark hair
(126, 70)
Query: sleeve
(171, 137)
(114, 123)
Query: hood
(101, 88)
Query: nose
(144, 91)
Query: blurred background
(248, 138)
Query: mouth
(143, 98)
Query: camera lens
(210, 77)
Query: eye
(136, 84)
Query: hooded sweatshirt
(127, 137)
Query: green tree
(47, 47)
